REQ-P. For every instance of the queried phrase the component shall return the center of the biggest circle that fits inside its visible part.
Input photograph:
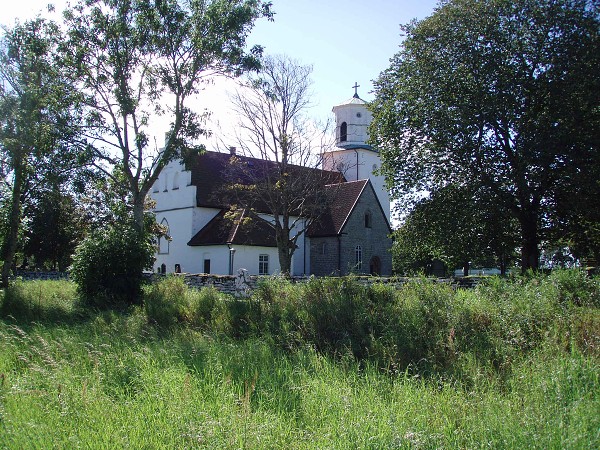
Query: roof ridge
(237, 225)
(363, 180)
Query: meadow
(330, 364)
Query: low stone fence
(28, 275)
(243, 284)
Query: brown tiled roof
(343, 198)
(208, 175)
(210, 170)
(235, 228)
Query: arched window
(358, 255)
(176, 180)
(344, 132)
(368, 219)
(323, 248)
(163, 241)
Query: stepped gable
(343, 198)
(234, 229)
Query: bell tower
(352, 156)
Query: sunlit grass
(116, 380)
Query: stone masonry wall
(227, 283)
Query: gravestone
(242, 285)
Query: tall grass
(332, 364)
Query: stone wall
(243, 284)
(38, 275)
(373, 240)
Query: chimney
(232, 151)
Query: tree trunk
(530, 253)
(502, 261)
(138, 211)
(10, 245)
(284, 251)
(285, 261)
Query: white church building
(351, 237)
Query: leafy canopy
(498, 94)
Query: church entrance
(375, 266)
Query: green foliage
(108, 266)
(422, 327)
(40, 301)
(574, 286)
(494, 95)
(192, 389)
(169, 301)
(38, 119)
(165, 301)
(135, 61)
(56, 227)
(458, 226)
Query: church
(352, 236)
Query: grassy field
(512, 364)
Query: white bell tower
(353, 156)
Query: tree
(497, 94)
(140, 60)
(108, 266)
(38, 117)
(275, 128)
(56, 226)
(457, 226)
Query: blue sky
(346, 41)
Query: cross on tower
(356, 86)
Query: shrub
(108, 266)
(200, 305)
(236, 318)
(165, 302)
(574, 286)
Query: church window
(163, 241)
(176, 180)
(155, 187)
(359, 115)
(166, 183)
(358, 255)
(207, 266)
(263, 264)
(324, 248)
(344, 132)
(368, 219)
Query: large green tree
(56, 226)
(38, 118)
(138, 61)
(458, 226)
(498, 94)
